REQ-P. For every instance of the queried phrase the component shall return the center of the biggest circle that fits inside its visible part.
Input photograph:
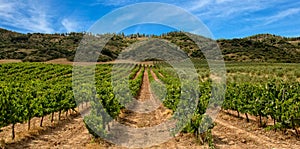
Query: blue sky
(224, 18)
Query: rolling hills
(40, 47)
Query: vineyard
(263, 91)
(268, 92)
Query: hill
(44, 47)
(262, 47)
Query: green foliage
(39, 47)
(261, 48)
(110, 97)
(26, 92)
(279, 100)
(198, 123)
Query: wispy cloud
(6, 9)
(223, 8)
(281, 15)
(23, 15)
(196, 5)
(224, 1)
(233, 18)
(70, 25)
(227, 18)
(114, 2)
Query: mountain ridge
(44, 47)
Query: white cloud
(70, 25)
(223, 1)
(196, 5)
(6, 9)
(207, 8)
(215, 9)
(114, 2)
(281, 15)
(124, 17)
(31, 16)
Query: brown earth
(229, 132)
(234, 132)
(68, 132)
(9, 61)
(64, 61)
(137, 74)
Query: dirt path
(146, 124)
(143, 123)
(233, 132)
(64, 61)
(137, 74)
(68, 133)
(154, 76)
(148, 116)
(10, 61)
(147, 128)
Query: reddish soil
(137, 74)
(234, 132)
(9, 61)
(230, 131)
(66, 62)
(68, 132)
(154, 76)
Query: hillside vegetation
(44, 47)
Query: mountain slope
(44, 47)
(262, 47)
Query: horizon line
(147, 34)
